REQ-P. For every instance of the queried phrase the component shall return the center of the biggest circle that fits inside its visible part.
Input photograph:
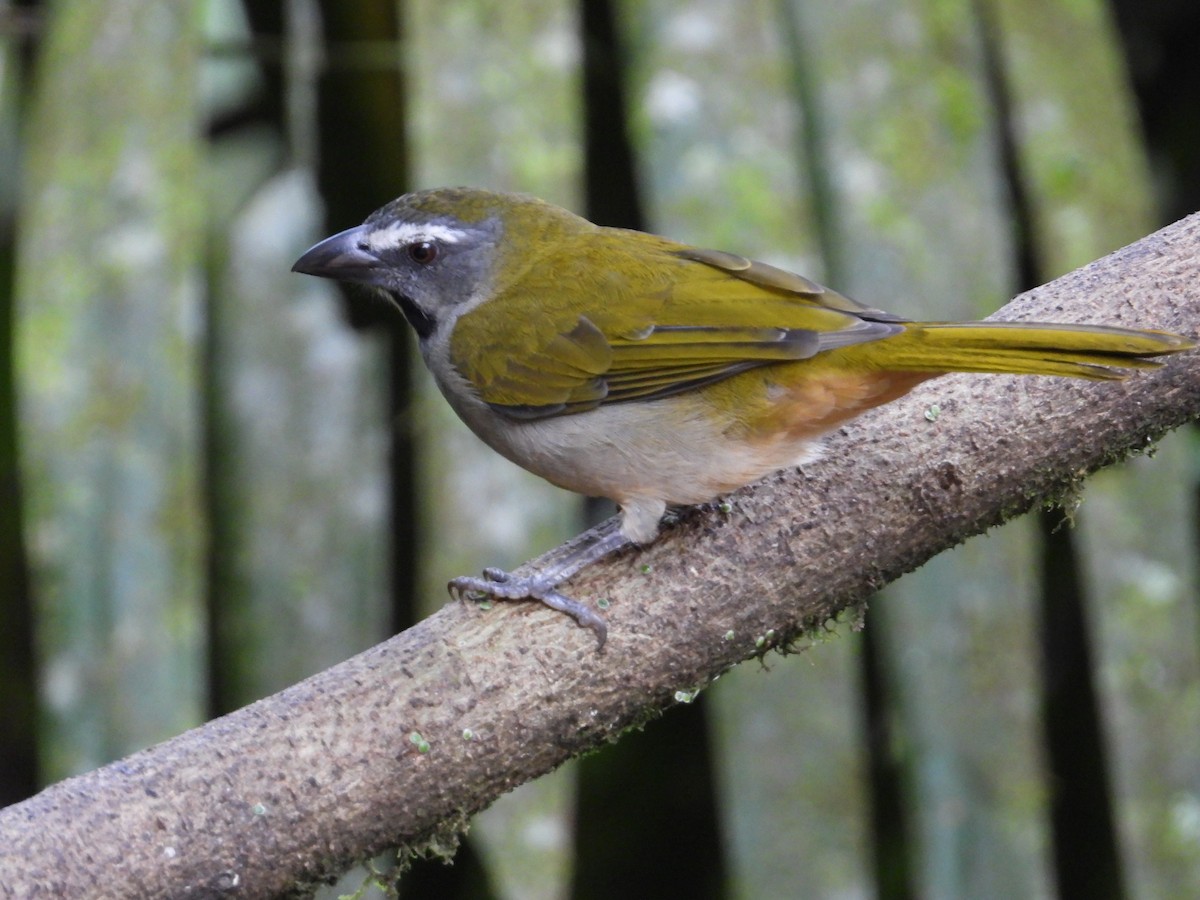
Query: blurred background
(217, 477)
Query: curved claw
(584, 615)
(502, 586)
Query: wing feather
(673, 319)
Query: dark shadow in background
(19, 698)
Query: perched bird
(624, 365)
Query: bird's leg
(542, 584)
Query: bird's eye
(422, 252)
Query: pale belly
(686, 449)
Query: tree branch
(401, 744)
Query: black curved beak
(343, 257)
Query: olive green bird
(624, 365)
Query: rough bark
(399, 745)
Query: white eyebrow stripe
(399, 234)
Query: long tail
(1098, 352)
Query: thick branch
(330, 770)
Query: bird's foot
(502, 585)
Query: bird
(621, 364)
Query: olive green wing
(672, 319)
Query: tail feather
(1098, 352)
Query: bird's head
(436, 252)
